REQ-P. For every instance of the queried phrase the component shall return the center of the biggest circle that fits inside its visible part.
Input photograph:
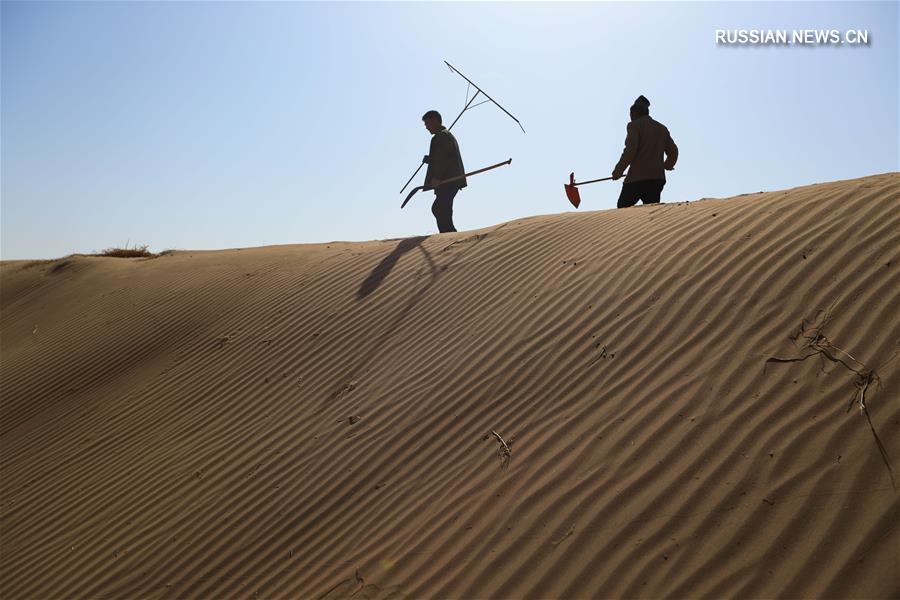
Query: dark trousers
(647, 191)
(442, 209)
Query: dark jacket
(444, 160)
(645, 143)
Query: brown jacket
(645, 143)
(444, 160)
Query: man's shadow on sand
(383, 269)
(374, 281)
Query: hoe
(572, 191)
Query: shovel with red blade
(572, 191)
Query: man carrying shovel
(444, 162)
(645, 144)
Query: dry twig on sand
(357, 580)
(504, 451)
(817, 343)
(570, 531)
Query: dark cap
(642, 102)
(641, 106)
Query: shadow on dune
(376, 278)
(372, 283)
(380, 272)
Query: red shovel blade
(572, 191)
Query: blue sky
(217, 125)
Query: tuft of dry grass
(57, 264)
(126, 252)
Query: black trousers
(647, 191)
(442, 209)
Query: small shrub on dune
(126, 252)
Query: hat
(642, 102)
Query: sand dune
(315, 420)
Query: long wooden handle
(413, 191)
(458, 177)
(592, 181)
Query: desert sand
(314, 421)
